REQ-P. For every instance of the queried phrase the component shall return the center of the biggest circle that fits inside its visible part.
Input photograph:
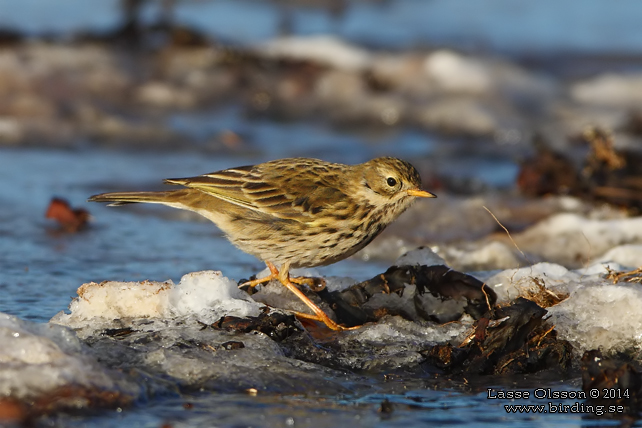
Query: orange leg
(315, 284)
(284, 277)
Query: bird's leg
(274, 274)
(319, 315)
(284, 277)
(315, 284)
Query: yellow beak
(420, 193)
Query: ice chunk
(509, 284)
(210, 294)
(422, 256)
(599, 314)
(454, 72)
(610, 89)
(324, 49)
(572, 239)
(114, 299)
(39, 358)
(339, 283)
(491, 255)
(458, 73)
(624, 255)
(600, 268)
(207, 295)
(394, 342)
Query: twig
(508, 233)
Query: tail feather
(123, 198)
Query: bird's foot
(325, 320)
(319, 315)
(314, 284)
(255, 282)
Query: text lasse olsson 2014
(550, 394)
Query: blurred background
(528, 108)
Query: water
(418, 406)
(544, 27)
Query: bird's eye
(392, 182)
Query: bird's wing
(283, 192)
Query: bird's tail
(122, 198)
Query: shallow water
(414, 404)
(543, 27)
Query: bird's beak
(420, 193)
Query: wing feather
(286, 189)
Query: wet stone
(515, 340)
(276, 325)
(433, 293)
(611, 381)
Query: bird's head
(389, 180)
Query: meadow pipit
(295, 212)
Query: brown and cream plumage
(295, 212)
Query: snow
(572, 239)
(457, 73)
(625, 255)
(510, 283)
(610, 89)
(212, 295)
(207, 295)
(324, 49)
(422, 256)
(597, 313)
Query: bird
(294, 212)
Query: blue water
(518, 27)
(419, 406)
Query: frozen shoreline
(158, 333)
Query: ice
(207, 295)
(339, 283)
(490, 255)
(624, 255)
(573, 240)
(36, 359)
(171, 332)
(211, 295)
(603, 315)
(457, 73)
(610, 89)
(422, 256)
(395, 342)
(596, 314)
(600, 268)
(510, 284)
(324, 49)
(454, 72)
